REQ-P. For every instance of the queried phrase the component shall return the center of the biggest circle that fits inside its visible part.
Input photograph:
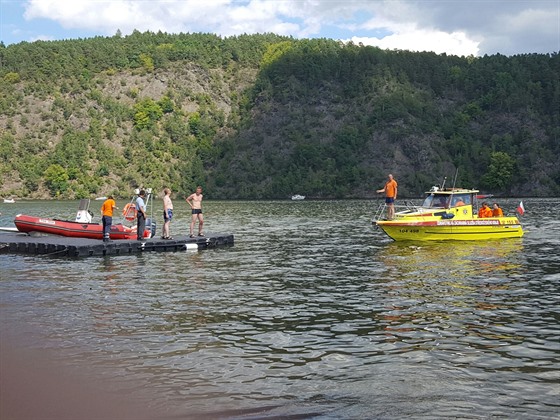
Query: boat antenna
(455, 179)
(443, 183)
(453, 188)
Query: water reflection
(440, 286)
(307, 315)
(453, 261)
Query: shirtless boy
(167, 213)
(195, 201)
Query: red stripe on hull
(451, 223)
(72, 229)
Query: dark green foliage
(500, 172)
(56, 179)
(147, 113)
(264, 116)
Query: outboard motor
(151, 226)
(84, 215)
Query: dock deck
(21, 243)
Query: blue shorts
(168, 216)
(196, 211)
(389, 200)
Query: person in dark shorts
(390, 190)
(107, 217)
(195, 201)
(167, 213)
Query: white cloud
(524, 32)
(460, 27)
(455, 43)
(42, 38)
(405, 33)
(105, 16)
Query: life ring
(129, 212)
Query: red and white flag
(520, 208)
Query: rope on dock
(57, 252)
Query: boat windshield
(435, 201)
(460, 200)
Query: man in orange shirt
(485, 211)
(390, 190)
(458, 202)
(107, 217)
(497, 211)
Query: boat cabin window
(460, 200)
(435, 201)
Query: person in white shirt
(140, 215)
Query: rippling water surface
(312, 313)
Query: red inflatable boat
(30, 224)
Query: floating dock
(21, 243)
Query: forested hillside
(265, 116)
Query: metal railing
(381, 211)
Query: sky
(454, 27)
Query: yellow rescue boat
(447, 214)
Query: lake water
(311, 314)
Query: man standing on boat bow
(390, 190)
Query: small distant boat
(447, 214)
(298, 197)
(101, 198)
(9, 201)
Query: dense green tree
(56, 179)
(500, 172)
(146, 113)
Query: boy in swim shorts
(167, 213)
(195, 201)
